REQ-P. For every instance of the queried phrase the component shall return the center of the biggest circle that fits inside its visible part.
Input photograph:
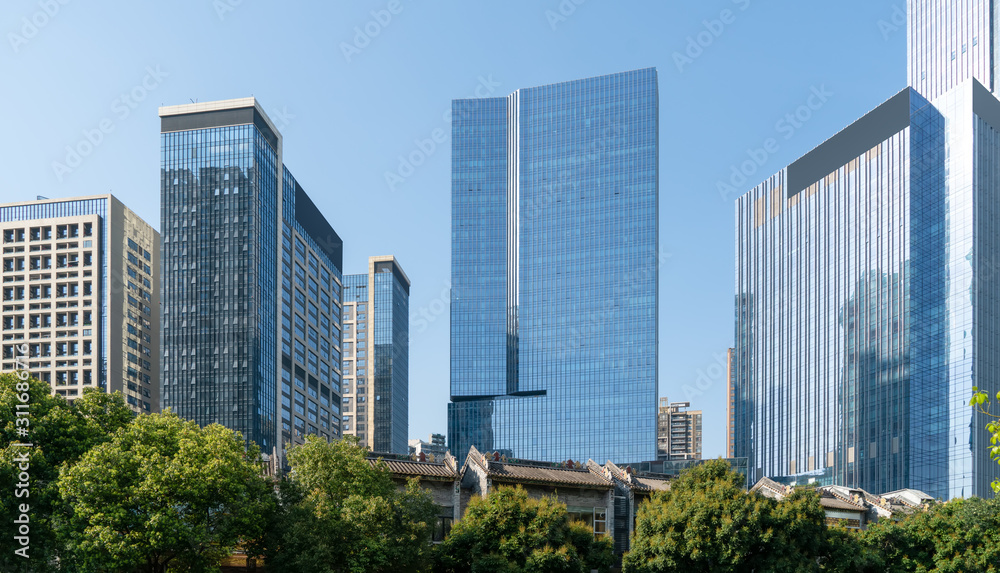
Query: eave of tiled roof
(417, 469)
(833, 502)
(650, 484)
(517, 473)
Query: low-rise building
(605, 497)
(853, 508)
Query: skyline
(378, 127)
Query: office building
(866, 283)
(730, 403)
(376, 356)
(252, 279)
(81, 289)
(554, 271)
(678, 431)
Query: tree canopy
(962, 535)
(339, 512)
(707, 522)
(981, 401)
(509, 532)
(59, 433)
(163, 492)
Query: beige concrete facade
(82, 292)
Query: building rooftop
(501, 469)
(404, 466)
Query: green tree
(962, 535)
(339, 512)
(981, 401)
(508, 531)
(706, 522)
(163, 494)
(60, 433)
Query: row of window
(44, 233)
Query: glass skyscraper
(376, 356)
(251, 281)
(867, 292)
(554, 271)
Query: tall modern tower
(554, 271)
(376, 356)
(867, 287)
(251, 281)
(81, 289)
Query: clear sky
(353, 86)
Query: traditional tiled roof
(910, 498)
(653, 484)
(769, 488)
(502, 470)
(830, 500)
(518, 473)
(402, 466)
(645, 482)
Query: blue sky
(350, 105)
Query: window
(442, 527)
(595, 517)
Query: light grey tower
(867, 292)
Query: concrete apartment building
(81, 289)
(678, 431)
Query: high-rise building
(866, 286)
(730, 403)
(81, 289)
(376, 356)
(435, 446)
(678, 431)
(252, 278)
(554, 271)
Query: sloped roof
(644, 482)
(417, 469)
(520, 473)
(652, 484)
(830, 500)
